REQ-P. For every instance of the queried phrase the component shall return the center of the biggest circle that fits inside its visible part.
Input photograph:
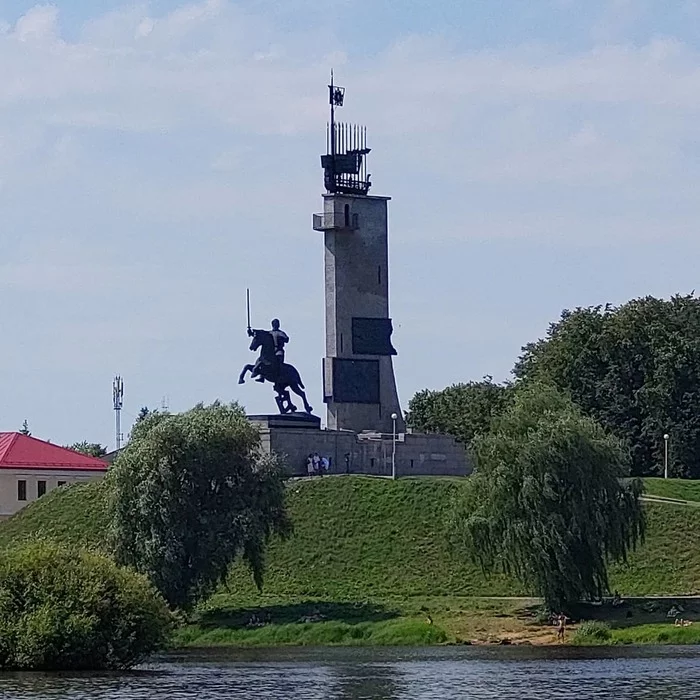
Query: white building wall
(9, 478)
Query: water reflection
(368, 681)
(386, 674)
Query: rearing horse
(283, 377)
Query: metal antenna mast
(118, 399)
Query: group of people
(679, 621)
(317, 465)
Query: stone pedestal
(360, 453)
(296, 421)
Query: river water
(447, 673)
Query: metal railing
(335, 221)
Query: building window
(21, 490)
(61, 483)
(40, 488)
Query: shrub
(67, 609)
(592, 632)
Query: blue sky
(158, 158)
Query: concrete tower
(358, 376)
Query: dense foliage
(549, 504)
(461, 410)
(189, 494)
(92, 449)
(62, 608)
(636, 370)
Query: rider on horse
(280, 339)
(271, 366)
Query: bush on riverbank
(595, 633)
(659, 633)
(401, 632)
(67, 609)
(592, 632)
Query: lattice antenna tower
(118, 402)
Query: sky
(158, 158)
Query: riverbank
(425, 621)
(369, 563)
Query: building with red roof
(29, 468)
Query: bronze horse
(282, 376)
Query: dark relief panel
(372, 336)
(355, 381)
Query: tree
(143, 412)
(189, 494)
(549, 503)
(65, 609)
(461, 410)
(92, 449)
(25, 428)
(636, 370)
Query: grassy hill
(358, 538)
(369, 563)
(74, 514)
(679, 489)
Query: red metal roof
(18, 450)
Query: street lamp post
(393, 446)
(666, 456)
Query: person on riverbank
(561, 627)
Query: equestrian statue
(270, 366)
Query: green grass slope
(74, 514)
(680, 489)
(668, 563)
(359, 538)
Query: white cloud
(145, 27)
(38, 24)
(614, 115)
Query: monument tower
(365, 432)
(359, 387)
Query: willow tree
(550, 503)
(191, 493)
